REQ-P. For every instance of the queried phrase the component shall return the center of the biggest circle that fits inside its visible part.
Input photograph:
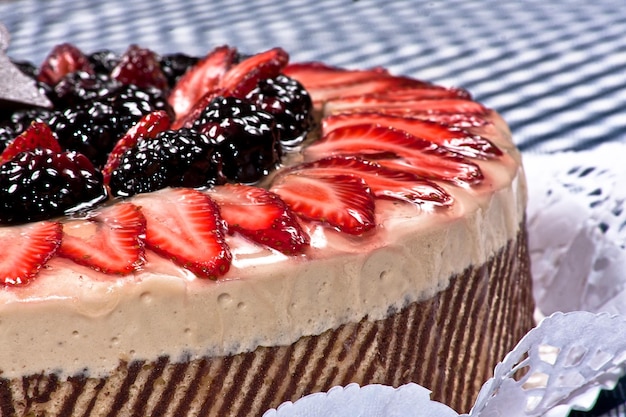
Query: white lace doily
(577, 229)
(409, 400)
(555, 366)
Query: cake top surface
(136, 144)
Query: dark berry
(140, 66)
(103, 61)
(247, 138)
(175, 65)
(89, 128)
(130, 103)
(80, 87)
(19, 120)
(290, 104)
(27, 68)
(7, 134)
(42, 184)
(93, 128)
(174, 158)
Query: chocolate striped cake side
(449, 344)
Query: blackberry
(19, 120)
(175, 65)
(89, 128)
(93, 128)
(290, 104)
(246, 137)
(42, 184)
(174, 158)
(80, 87)
(7, 134)
(103, 61)
(27, 68)
(130, 103)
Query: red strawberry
(184, 225)
(424, 100)
(26, 249)
(451, 112)
(410, 153)
(325, 83)
(108, 241)
(37, 135)
(242, 78)
(62, 60)
(438, 165)
(384, 182)
(471, 117)
(261, 216)
(192, 115)
(201, 79)
(426, 92)
(141, 67)
(344, 202)
(148, 126)
(453, 138)
(323, 94)
(317, 74)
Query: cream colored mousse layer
(71, 319)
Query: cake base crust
(449, 344)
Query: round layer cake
(233, 232)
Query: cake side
(267, 298)
(490, 304)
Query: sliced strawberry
(384, 182)
(148, 126)
(321, 95)
(410, 153)
(424, 100)
(201, 79)
(26, 249)
(344, 202)
(37, 135)
(261, 216)
(187, 120)
(244, 77)
(425, 92)
(318, 74)
(453, 120)
(184, 225)
(452, 112)
(326, 82)
(108, 241)
(438, 165)
(141, 67)
(453, 138)
(62, 60)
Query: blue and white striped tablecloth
(555, 69)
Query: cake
(217, 235)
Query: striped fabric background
(555, 69)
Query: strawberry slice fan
(383, 137)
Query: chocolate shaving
(16, 89)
